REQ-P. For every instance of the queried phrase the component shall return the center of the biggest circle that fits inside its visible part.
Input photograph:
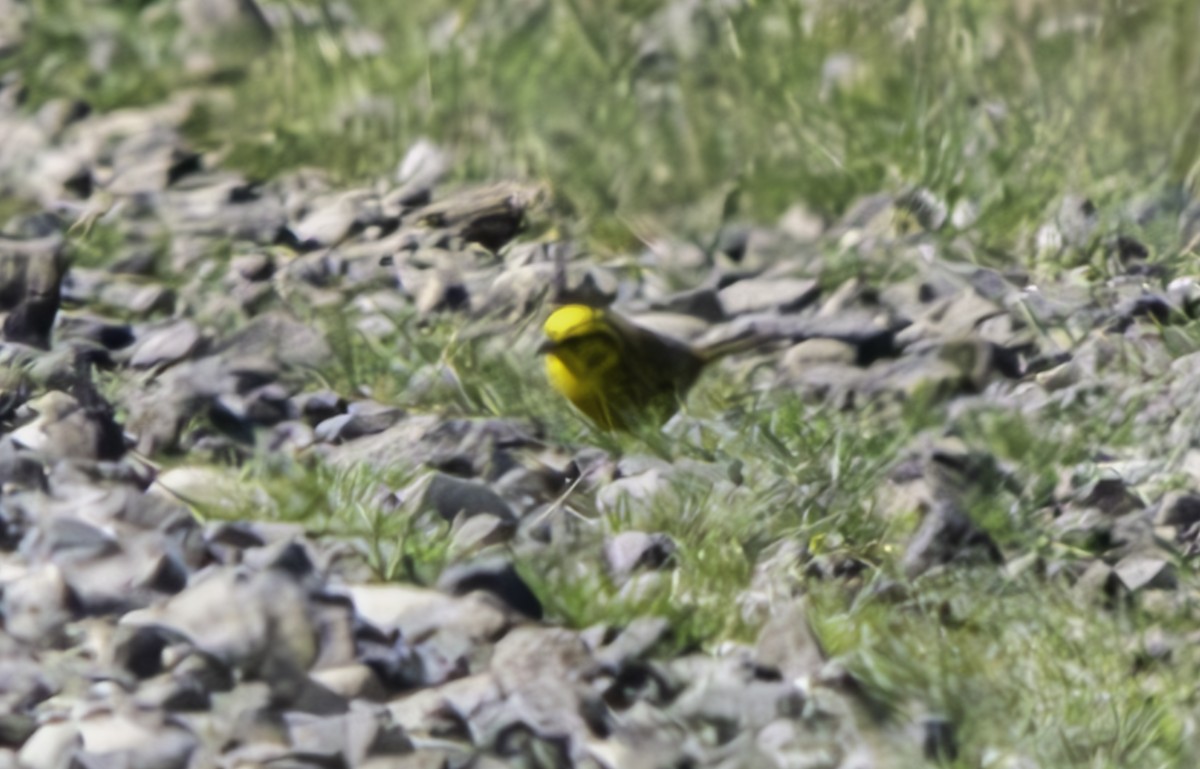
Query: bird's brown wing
(658, 370)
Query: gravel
(139, 634)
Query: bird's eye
(595, 353)
(600, 355)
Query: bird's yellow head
(573, 320)
(581, 339)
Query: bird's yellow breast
(586, 371)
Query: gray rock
(65, 428)
(490, 216)
(1179, 509)
(1144, 571)
(51, 746)
(631, 550)
(259, 624)
(1111, 496)
(419, 612)
(12, 29)
(421, 169)
(929, 211)
(945, 536)
(953, 317)
(174, 693)
(315, 407)
(426, 758)
(361, 418)
(470, 535)
(349, 738)
(166, 345)
(704, 303)
(1076, 220)
(329, 221)
(449, 497)
(333, 615)
(107, 575)
(139, 299)
(351, 682)
(946, 368)
(254, 266)
(634, 643)
(442, 707)
(442, 291)
(817, 352)
(497, 577)
(727, 698)
(278, 339)
(463, 446)
(148, 159)
(633, 489)
(225, 207)
(31, 276)
(142, 741)
(785, 743)
(36, 607)
(94, 330)
(210, 489)
(212, 19)
(801, 224)
(787, 643)
(538, 671)
(871, 333)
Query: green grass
(976, 101)
(1024, 666)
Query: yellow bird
(614, 371)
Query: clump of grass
(1025, 668)
(108, 55)
(350, 503)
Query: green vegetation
(629, 112)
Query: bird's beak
(547, 346)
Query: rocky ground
(169, 321)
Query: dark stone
(939, 742)
(139, 649)
(497, 577)
(31, 274)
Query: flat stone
(768, 295)
(258, 623)
(328, 223)
(1141, 571)
(630, 550)
(418, 612)
(450, 497)
(787, 643)
(361, 418)
(351, 682)
(166, 345)
(36, 606)
(478, 532)
(51, 746)
(419, 171)
(496, 576)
